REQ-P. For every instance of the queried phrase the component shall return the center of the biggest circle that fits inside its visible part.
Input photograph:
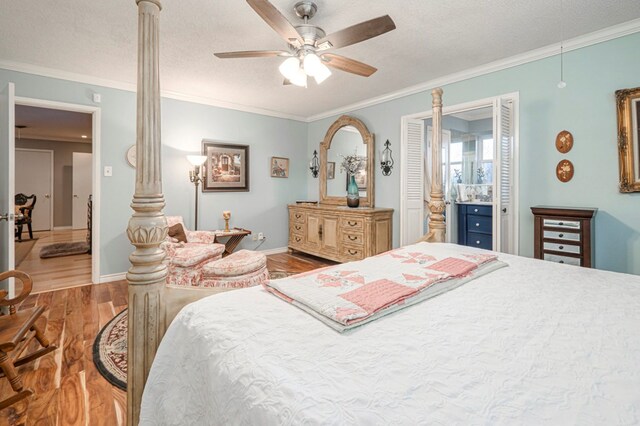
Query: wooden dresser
(564, 235)
(340, 233)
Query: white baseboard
(275, 250)
(62, 228)
(112, 277)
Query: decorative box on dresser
(564, 235)
(340, 233)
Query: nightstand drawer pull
(475, 210)
(477, 224)
(478, 242)
(560, 247)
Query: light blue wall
(585, 107)
(184, 125)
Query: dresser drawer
(348, 224)
(569, 236)
(562, 259)
(569, 248)
(559, 223)
(479, 210)
(297, 217)
(353, 253)
(297, 227)
(483, 241)
(353, 238)
(479, 224)
(296, 240)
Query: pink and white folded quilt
(351, 294)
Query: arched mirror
(346, 136)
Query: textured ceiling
(52, 124)
(433, 39)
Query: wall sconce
(195, 178)
(386, 161)
(314, 164)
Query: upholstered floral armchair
(187, 252)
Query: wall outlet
(97, 98)
(255, 237)
(108, 171)
(260, 236)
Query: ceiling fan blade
(252, 54)
(357, 33)
(277, 21)
(348, 65)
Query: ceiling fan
(310, 48)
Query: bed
(533, 343)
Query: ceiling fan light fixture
(299, 78)
(311, 64)
(322, 74)
(290, 68)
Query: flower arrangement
(352, 163)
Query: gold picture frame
(628, 110)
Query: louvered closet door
(503, 178)
(412, 182)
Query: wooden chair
(17, 330)
(26, 208)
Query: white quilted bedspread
(535, 343)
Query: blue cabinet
(475, 225)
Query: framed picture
(279, 167)
(226, 167)
(361, 176)
(331, 170)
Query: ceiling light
(83, 136)
(289, 68)
(322, 73)
(299, 79)
(311, 64)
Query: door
(7, 147)
(503, 181)
(412, 182)
(34, 175)
(81, 182)
(329, 234)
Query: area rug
(110, 346)
(63, 249)
(110, 351)
(22, 249)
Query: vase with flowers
(352, 164)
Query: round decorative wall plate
(564, 170)
(131, 156)
(564, 141)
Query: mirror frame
(627, 155)
(368, 140)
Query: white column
(147, 227)
(437, 227)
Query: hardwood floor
(68, 388)
(58, 272)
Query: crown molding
(579, 42)
(129, 87)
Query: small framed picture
(226, 167)
(331, 170)
(279, 167)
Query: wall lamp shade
(386, 160)
(196, 160)
(314, 164)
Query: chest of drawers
(564, 235)
(475, 225)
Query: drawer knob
(298, 216)
(477, 224)
(352, 238)
(353, 252)
(297, 239)
(478, 242)
(560, 223)
(352, 223)
(562, 261)
(475, 210)
(561, 247)
(561, 235)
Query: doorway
(480, 181)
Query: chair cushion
(177, 231)
(239, 263)
(193, 254)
